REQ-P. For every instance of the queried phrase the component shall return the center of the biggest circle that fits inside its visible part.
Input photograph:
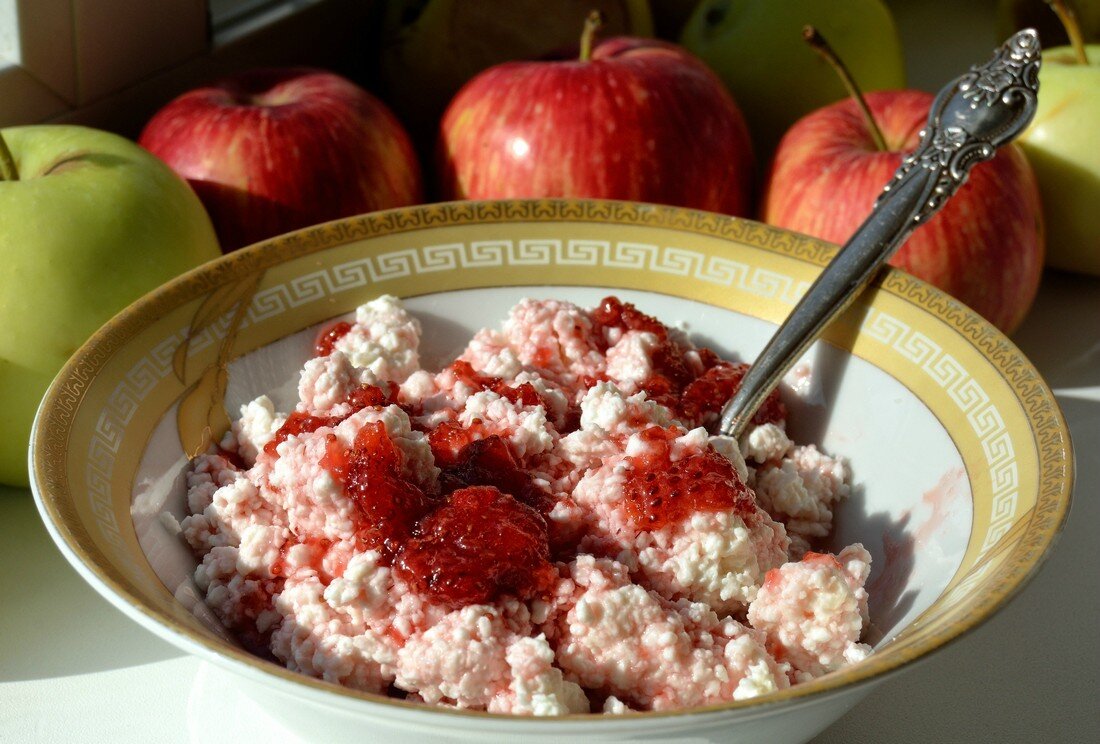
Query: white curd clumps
(608, 418)
(255, 428)
(326, 382)
(554, 337)
(488, 352)
(815, 609)
(484, 656)
(716, 557)
(723, 604)
(317, 639)
(765, 443)
(800, 490)
(629, 360)
(614, 635)
(384, 339)
(525, 428)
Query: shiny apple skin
(641, 120)
(985, 247)
(1063, 146)
(274, 150)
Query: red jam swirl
(479, 545)
(659, 491)
(388, 505)
(326, 341)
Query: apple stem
(8, 170)
(1073, 28)
(817, 42)
(592, 24)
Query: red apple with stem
(273, 150)
(985, 247)
(629, 118)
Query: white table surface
(72, 668)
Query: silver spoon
(970, 118)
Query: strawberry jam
(370, 472)
(660, 492)
(523, 394)
(707, 394)
(671, 373)
(479, 545)
(370, 396)
(489, 462)
(296, 424)
(326, 341)
(673, 383)
(614, 313)
(449, 439)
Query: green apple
(89, 222)
(1063, 145)
(1012, 15)
(756, 47)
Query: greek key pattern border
(123, 402)
(970, 397)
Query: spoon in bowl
(970, 118)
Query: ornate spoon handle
(970, 118)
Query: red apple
(273, 150)
(985, 247)
(636, 119)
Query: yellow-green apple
(89, 222)
(273, 150)
(1063, 145)
(628, 119)
(756, 47)
(986, 245)
(430, 48)
(1012, 15)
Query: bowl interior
(913, 511)
(959, 453)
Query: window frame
(111, 63)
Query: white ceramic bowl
(961, 458)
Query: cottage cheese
(618, 584)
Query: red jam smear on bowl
(659, 492)
(480, 544)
